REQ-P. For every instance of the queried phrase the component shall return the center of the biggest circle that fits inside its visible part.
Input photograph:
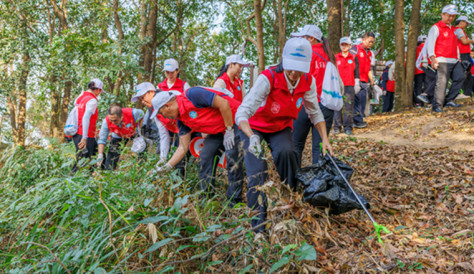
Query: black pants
(360, 102)
(446, 71)
(418, 88)
(301, 127)
(115, 149)
(470, 89)
(88, 152)
(467, 73)
(286, 162)
(388, 101)
(348, 111)
(430, 82)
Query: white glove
(100, 159)
(164, 168)
(254, 145)
(229, 137)
(162, 161)
(384, 92)
(357, 86)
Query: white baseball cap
(141, 89)
(358, 41)
(346, 40)
(450, 9)
(170, 65)
(160, 99)
(96, 84)
(464, 18)
(388, 63)
(235, 58)
(297, 55)
(421, 38)
(309, 30)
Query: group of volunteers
(282, 106)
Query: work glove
(162, 161)
(100, 159)
(254, 145)
(159, 169)
(229, 137)
(357, 86)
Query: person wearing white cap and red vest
(211, 112)
(419, 74)
(364, 58)
(267, 113)
(321, 55)
(123, 124)
(84, 139)
(228, 77)
(388, 80)
(464, 45)
(348, 67)
(444, 54)
(172, 81)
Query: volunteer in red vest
(364, 57)
(145, 92)
(388, 79)
(172, 81)
(348, 68)
(84, 139)
(444, 55)
(321, 55)
(464, 45)
(228, 77)
(470, 89)
(122, 124)
(267, 113)
(211, 112)
(419, 74)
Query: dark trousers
(467, 73)
(360, 102)
(388, 101)
(208, 160)
(418, 88)
(301, 127)
(286, 162)
(113, 154)
(88, 152)
(470, 89)
(430, 82)
(348, 121)
(446, 71)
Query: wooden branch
(51, 252)
(118, 24)
(22, 17)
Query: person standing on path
(464, 45)
(267, 113)
(419, 74)
(444, 55)
(349, 71)
(388, 78)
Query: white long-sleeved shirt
(431, 42)
(220, 84)
(259, 93)
(91, 107)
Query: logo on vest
(129, 125)
(275, 108)
(299, 103)
(238, 88)
(361, 54)
(349, 61)
(446, 34)
(193, 114)
(338, 63)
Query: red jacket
(418, 51)
(319, 60)
(129, 125)
(235, 87)
(81, 102)
(447, 42)
(463, 48)
(178, 85)
(205, 120)
(363, 56)
(346, 66)
(281, 107)
(390, 85)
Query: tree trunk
(65, 106)
(257, 5)
(399, 51)
(334, 23)
(413, 32)
(281, 23)
(21, 121)
(54, 113)
(381, 31)
(147, 32)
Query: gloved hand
(255, 146)
(384, 92)
(100, 159)
(161, 162)
(357, 86)
(162, 169)
(229, 137)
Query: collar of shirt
(291, 88)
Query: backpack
(331, 95)
(72, 122)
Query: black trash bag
(324, 186)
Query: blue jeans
(301, 127)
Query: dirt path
(453, 128)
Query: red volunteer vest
(281, 107)
(205, 120)
(390, 86)
(235, 88)
(178, 85)
(81, 102)
(319, 60)
(463, 48)
(447, 42)
(418, 51)
(363, 56)
(169, 124)
(129, 125)
(346, 66)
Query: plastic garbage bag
(324, 186)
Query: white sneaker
(461, 96)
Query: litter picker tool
(378, 228)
